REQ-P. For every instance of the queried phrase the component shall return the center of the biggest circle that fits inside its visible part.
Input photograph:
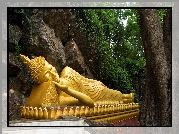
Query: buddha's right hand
(54, 76)
(60, 86)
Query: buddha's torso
(96, 90)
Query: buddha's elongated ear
(25, 59)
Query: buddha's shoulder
(67, 70)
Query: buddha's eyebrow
(46, 72)
(50, 67)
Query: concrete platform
(73, 130)
(46, 127)
(79, 122)
(46, 130)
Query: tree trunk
(167, 27)
(156, 107)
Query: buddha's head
(39, 67)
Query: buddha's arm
(71, 101)
(78, 95)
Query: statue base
(44, 130)
(66, 121)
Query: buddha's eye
(49, 68)
(53, 69)
(46, 75)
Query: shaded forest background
(117, 50)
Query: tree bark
(156, 107)
(167, 30)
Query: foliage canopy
(118, 45)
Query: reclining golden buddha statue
(70, 88)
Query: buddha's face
(45, 75)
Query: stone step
(51, 130)
(79, 122)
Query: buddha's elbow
(90, 103)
